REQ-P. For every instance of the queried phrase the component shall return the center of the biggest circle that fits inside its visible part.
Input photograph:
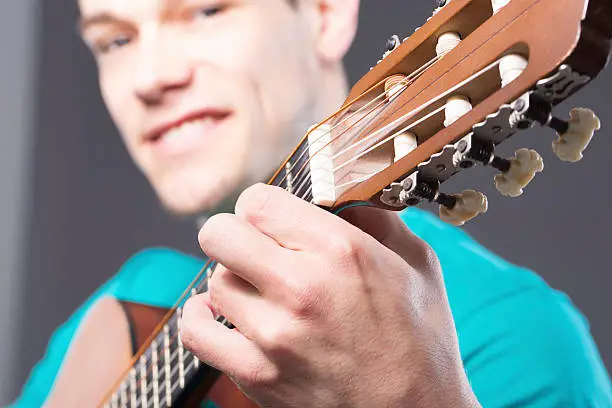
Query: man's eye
(208, 11)
(114, 44)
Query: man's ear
(338, 20)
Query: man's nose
(159, 72)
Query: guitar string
(387, 139)
(173, 356)
(161, 358)
(377, 145)
(308, 191)
(397, 122)
(125, 377)
(305, 166)
(414, 112)
(304, 171)
(158, 329)
(382, 142)
(405, 117)
(404, 83)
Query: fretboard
(294, 176)
(166, 370)
(163, 372)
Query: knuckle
(271, 337)
(253, 202)
(306, 299)
(256, 376)
(276, 338)
(345, 250)
(426, 256)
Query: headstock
(439, 102)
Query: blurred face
(208, 95)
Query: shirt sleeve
(533, 349)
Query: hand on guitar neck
(327, 314)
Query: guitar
(437, 103)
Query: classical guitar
(436, 104)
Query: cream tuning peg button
(467, 206)
(521, 169)
(575, 135)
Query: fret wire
(143, 380)
(175, 383)
(155, 374)
(287, 180)
(196, 362)
(133, 389)
(289, 176)
(162, 378)
(295, 158)
(202, 286)
(187, 369)
(123, 399)
(167, 364)
(169, 356)
(180, 353)
(183, 371)
(301, 178)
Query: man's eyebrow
(103, 17)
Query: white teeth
(191, 129)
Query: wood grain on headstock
(530, 27)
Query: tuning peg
(574, 136)
(517, 172)
(463, 207)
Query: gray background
(73, 207)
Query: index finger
(292, 222)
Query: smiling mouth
(184, 134)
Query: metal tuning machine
(454, 209)
(573, 136)
(515, 173)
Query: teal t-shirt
(523, 344)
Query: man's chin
(186, 206)
(186, 200)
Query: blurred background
(73, 208)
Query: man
(209, 96)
